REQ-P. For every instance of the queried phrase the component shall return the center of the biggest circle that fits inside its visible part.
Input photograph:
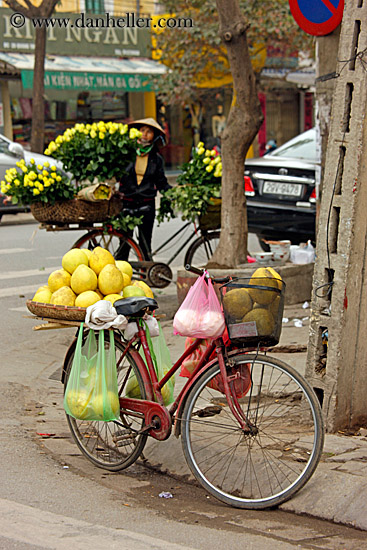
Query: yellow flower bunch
(198, 184)
(30, 183)
(99, 150)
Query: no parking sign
(317, 17)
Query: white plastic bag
(200, 314)
(302, 254)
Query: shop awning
(88, 73)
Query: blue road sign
(317, 17)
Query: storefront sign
(67, 80)
(77, 35)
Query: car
(10, 154)
(280, 191)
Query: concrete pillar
(338, 370)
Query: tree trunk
(243, 123)
(38, 103)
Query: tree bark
(243, 123)
(44, 9)
(38, 103)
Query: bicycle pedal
(208, 411)
(123, 437)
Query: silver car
(10, 154)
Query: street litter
(165, 494)
(298, 323)
(285, 320)
(305, 305)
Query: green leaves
(196, 187)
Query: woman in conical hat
(143, 178)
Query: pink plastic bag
(200, 314)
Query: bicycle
(202, 243)
(251, 426)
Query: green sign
(77, 34)
(67, 80)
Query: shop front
(91, 74)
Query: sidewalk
(337, 491)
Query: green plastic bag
(92, 391)
(162, 363)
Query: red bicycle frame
(158, 418)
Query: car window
(4, 146)
(301, 147)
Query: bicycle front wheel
(112, 241)
(202, 249)
(113, 445)
(268, 466)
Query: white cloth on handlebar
(103, 315)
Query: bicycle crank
(159, 275)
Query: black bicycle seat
(135, 306)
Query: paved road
(47, 501)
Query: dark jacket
(154, 180)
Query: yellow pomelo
(147, 290)
(87, 298)
(237, 302)
(112, 298)
(127, 280)
(264, 320)
(110, 280)
(263, 277)
(63, 297)
(276, 276)
(274, 307)
(43, 295)
(77, 402)
(100, 406)
(83, 279)
(125, 267)
(87, 252)
(72, 259)
(101, 296)
(130, 291)
(132, 388)
(57, 279)
(99, 258)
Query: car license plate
(277, 188)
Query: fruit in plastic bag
(78, 402)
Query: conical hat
(148, 122)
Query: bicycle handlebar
(200, 272)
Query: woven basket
(76, 211)
(65, 313)
(211, 218)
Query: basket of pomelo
(253, 308)
(85, 278)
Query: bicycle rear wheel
(113, 445)
(112, 241)
(267, 467)
(202, 249)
